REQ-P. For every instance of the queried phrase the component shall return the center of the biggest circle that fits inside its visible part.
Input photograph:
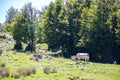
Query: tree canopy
(72, 26)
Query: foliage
(83, 26)
(64, 71)
(72, 26)
(24, 27)
(10, 19)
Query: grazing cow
(38, 56)
(82, 56)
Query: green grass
(64, 71)
(92, 71)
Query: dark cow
(38, 56)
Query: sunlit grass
(92, 71)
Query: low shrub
(26, 72)
(4, 72)
(32, 70)
(54, 70)
(46, 70)
(3, 36)
(2, 64)
(23, 72)
(73, 58)
(16, 75)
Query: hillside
(60, 68)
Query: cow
(82, 56)
(38, 56)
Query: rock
(36, 59)
(15, 64)
(8, 48)
(48, 57)
(77, 62)
(82, 68)
(95, 71)
(32, 58)
(7, 55)
(70, 63)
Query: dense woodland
(72, 26)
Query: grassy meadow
(59, 68)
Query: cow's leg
(80, 60)
(85, 62)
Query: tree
(25, 30)
(18, 32)
(52, 23)
(61, 25)
(97, 32)
(10, 19)
(73, 11)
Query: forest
(69, 26)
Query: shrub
(18, 45)
(26, 72)
(54, 70)
(2, 64)
(46, 70)
(23, 72)
(4, 72)
(2, 36)
(73, 58)
(30, 47)
(16, 75)
(32, 70)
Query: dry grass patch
(4, 72)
